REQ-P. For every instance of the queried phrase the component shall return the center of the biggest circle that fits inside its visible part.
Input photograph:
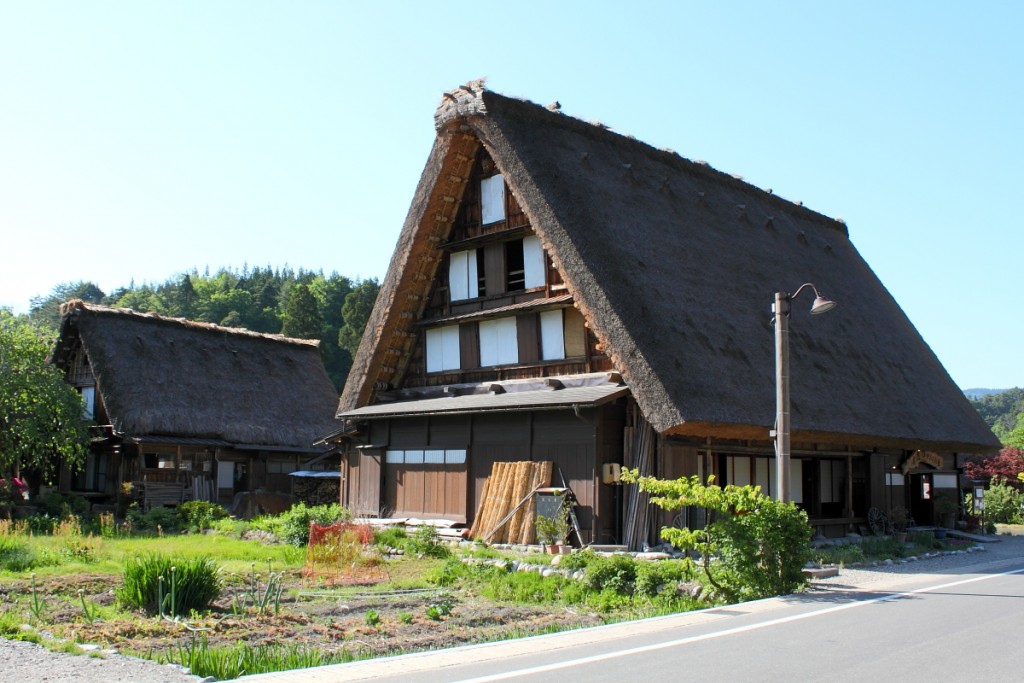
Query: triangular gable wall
(672, 264)
(392, 353)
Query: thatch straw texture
(674, 265)
(165, 376)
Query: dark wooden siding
(469, 345)
(503, 437)
(528, 337)
(568, 440)
(495, 269)
(610, 422)
(409, 432)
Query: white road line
(726, 632)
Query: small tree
(40, 415)
(1015, 439)
(753, 547)
(1004, 466)
(1004, 504)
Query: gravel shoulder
(21, 661)
(999, 549)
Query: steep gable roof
(674, 266)
(174, 377)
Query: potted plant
(945, 511)
(900, 518)
(552, 531)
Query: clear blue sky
(142, 140)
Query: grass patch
(170, 585)
(227, 662)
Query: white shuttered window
(552, 338)
(443, 348)
(492, 199)
(463, 282)
(498, 343)
(533, 262)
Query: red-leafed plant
(1005, 466)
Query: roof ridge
(78, 305)
(468, 100)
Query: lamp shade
(822, 305)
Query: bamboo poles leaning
(640, 454)
(507, 511)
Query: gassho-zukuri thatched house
(563, 292)
(188, 410)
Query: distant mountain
(978, 393)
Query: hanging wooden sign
(927, 457)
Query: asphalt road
(956, 626)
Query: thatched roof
(173, 377)
(675, 266)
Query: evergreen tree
(302, 315)
(330, 293)
(45, 310)
(356, 312)
(186, 298)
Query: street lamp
(781, 308)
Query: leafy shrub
(59, 505)
(616, 573)
(425, 543)
(451, 571)
(194, 582)
(41, 524)
(235, 528)
(16, 555)
(162, 518)
(199, 515)
(391, 537)
(577, 560)
(271, 524)
(755, 547)
(1003, 504)
(654, 578)
(294, 529)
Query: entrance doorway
(921, 492)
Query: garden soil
(328, 622)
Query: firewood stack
(508, 490)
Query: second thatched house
(188, 410)
(562, 292)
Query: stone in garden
(652, 556)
